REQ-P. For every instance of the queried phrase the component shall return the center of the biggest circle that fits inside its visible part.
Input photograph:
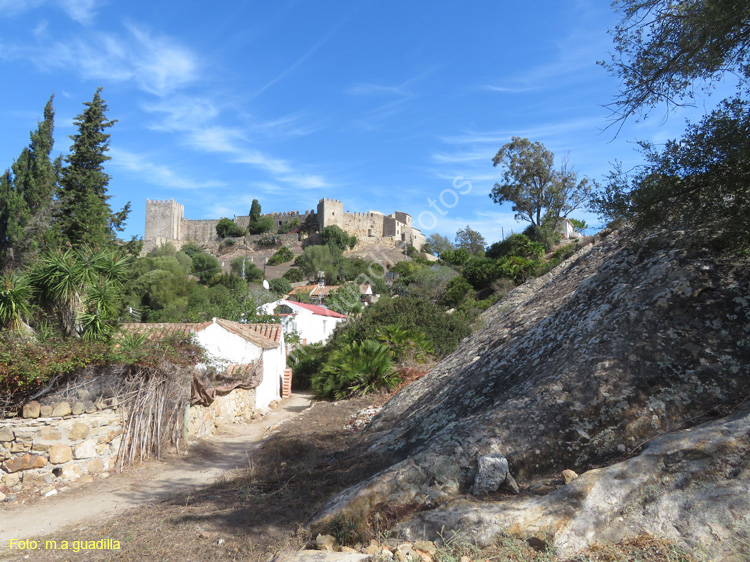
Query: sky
(387, 106)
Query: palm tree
(356, 369)
(15, 297)
(403, 342)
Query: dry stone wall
(51, 445)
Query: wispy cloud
(403, 93)
(82, 11)
(194, 120)
(156, 64)
(294, 66)
(157, 174)
(575, 56)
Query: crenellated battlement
(165, 222)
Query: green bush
(280, 286)
(294, 275)
(293, 225)
(283, 255)
(269, 241)
(205, 267)
(228, 228)
(444, 331)
(261, 226)
(355, 369)
(305, 361)
(516, 245)
(191, 249)
(457, 291)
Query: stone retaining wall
(236, 407)
(54, 444)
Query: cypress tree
(28, 194)
(84, 216)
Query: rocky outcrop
(626, 341)
(689, 487)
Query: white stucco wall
(227, 347)
(311, 327)
(274, 363)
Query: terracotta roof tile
(164, 329)
(270, 331)
(248, 333)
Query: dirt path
(208, 460)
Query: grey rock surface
(626, 341)
(689, 486)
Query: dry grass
(250, 514)
(255, 513)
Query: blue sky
(379, 104)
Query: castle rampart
(165, 222)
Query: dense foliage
(27, 365)
(664, 53)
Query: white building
(230, 345)
(566, 228)
(313, 323)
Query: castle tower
(163, 221)
(330, 212)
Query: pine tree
(84, 216)
(28, 193)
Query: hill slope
(626, 341)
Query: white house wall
(227, 347)
(274, 362)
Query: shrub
(280, 286)
(443, 330)
(355, 369)
(205, 267)
(457, 291)
(269, 241)
(294, 275)
(293, 225)
(405, 343)
(516, 245)
(283, 255)
(336, 237)
(191, 248)
(261, 226)
(305, 362)
(228, 228)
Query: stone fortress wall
(165, 222)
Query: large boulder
(627, 340)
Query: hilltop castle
(165, 222)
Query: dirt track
(208, 460)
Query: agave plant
(15, 297)
(81, 285)
(356, 369)
(102, 306)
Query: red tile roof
(315, 290)
(270, 331)
(266, 336)
(321, 310)
(164, 329)
(247, 332)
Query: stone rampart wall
(56, 444)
